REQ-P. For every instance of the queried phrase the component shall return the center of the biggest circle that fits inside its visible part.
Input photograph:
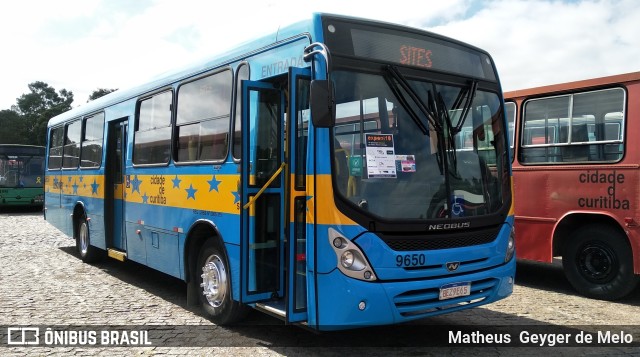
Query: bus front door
(114, 189)
(298, 278)
(262, 199)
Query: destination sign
(421, 52)
(407, 47)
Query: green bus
(21, 175)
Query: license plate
(454, 290)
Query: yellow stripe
(215, 196)
(206, 197)
(82, 185)
(327, 211)
(193, 191)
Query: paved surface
(43, 283)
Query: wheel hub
(597, 263)
(84, 239)
(214, 281)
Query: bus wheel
(599, 263)
(88, 253)
(215, 286)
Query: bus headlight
(351, 260)
(511, 245)
(347, 259)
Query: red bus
(576, 176)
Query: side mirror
(323, 110)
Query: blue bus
(315, 174)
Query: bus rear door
(114, 189)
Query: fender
(630, 230)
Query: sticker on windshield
(381, 157)
(406, 163)
(355, 165)
(457, 206)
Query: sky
(82, 45)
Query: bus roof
(308, 27)
(190, 70)
(561, 87)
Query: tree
(100, 92)
(42, 104)
(13, 128)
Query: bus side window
(91, 146)
(203, 116)
(71, 149)
(55, 148)
(153, 130)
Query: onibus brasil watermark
(37, 336)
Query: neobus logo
(448, 226)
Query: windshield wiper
(464, 100)
(467, 94)
(393, 76)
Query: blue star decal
(135, 184)
(191, 192)
(213, 184)
(75, 188)
(94, 187)
(145, 198)
(176, 182)
(236, 196)
(81, 178)
(55, 182)
(69, 178)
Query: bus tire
(214, 286)
(598, 263)
(87, 252)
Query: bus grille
(425, 301)
(457, 240)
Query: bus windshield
(20, 169)
(413, 148)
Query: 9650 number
(410, 260)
